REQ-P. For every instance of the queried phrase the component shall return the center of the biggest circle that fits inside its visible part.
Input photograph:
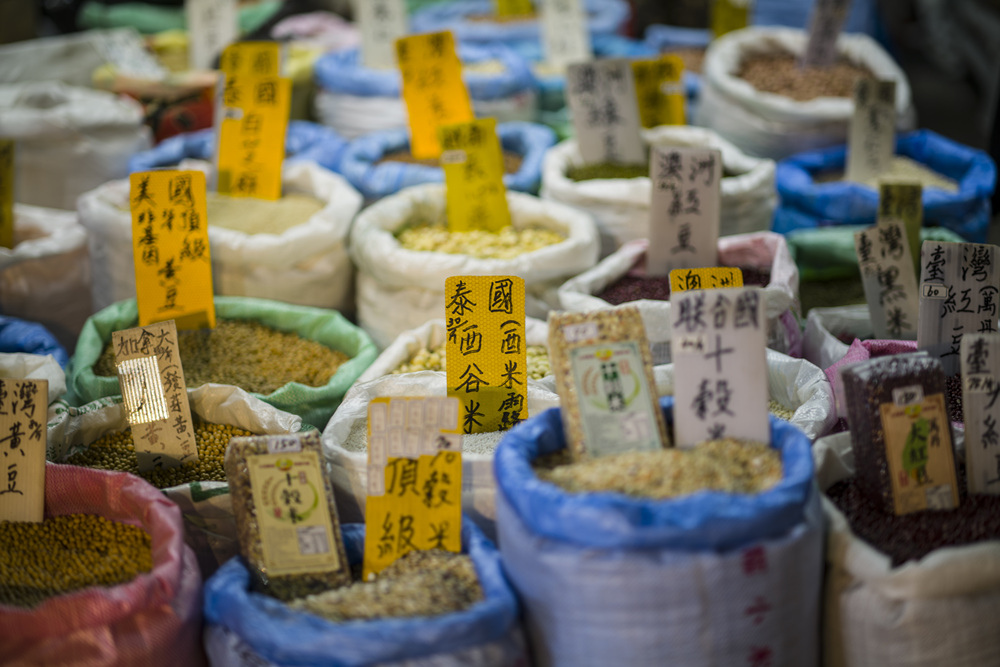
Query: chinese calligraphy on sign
(211, 26)
(7, 193)
(827, 20)
(890, 284)
(473, 172)
(601, 97)
(251, 59)
(980, 390)
(903, 201)
(565, 37)
(659, 90)
(715, 277)
(872, 135)
(382, 22)
(23, 407)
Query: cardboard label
(7, 193)
(872, 135)
(659, 89)
(565, 37)
(23, 406)
(828, 18)
(684, 211)
(959, 286)
(601, 98)
(981, 411)
(717, 344)
(889, 280)
(918, 448)
(729, 15)
(682, 280)
(433, 89)
(251, 59)
(173, 266)
(211, 27)
(903, 200)
(514, 8)
(486, 351)
(382, 22)
(476, 198)
(155, 395)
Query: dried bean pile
(779, 73)
(511, 160)
(427, 359)
(779, 410)
(510, 242)
(953, 398)
(632, 288)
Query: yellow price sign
(173, 266)
(7, 193)
(486, 352)
(682, 280)
(251, 59)
(515, 8)
(473, 173)
(433, 89)
(659, 90)
(729, 15)
(252, 136)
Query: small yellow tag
(173, 266)
(433, 89)
(473, 173)
(251, 59)
(23, 405)
(659, 90)
(7, 193)
(682, 280)
(514, 8)
(729, 15)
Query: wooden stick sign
(565, 37)
(602, 100)
(827, 21)
(23, 405)
(981, 411)
(889, 280)
(382, 22)
(871, 139)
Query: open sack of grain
(26, 366)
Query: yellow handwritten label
(23, 405)
(514, 8)
(903, 201)
(252, 136)
(173, 267)
(251, 59)
(433, 89)
(729, 15)
(486, 351)
(659, 90)
(473, 172)
(7, 193)
(714, 277)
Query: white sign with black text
(601, 98)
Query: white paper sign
(564, 32)
(212, 26)
(382, 22)
(684, 209)
(827, 21)
(889, 280)
(718, 340)
(959, 286)
(980, 391)
(601, 96)
(871, 140)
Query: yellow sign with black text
(472, 159)
(659, 90)
(251, 59)
(714, 277)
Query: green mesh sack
(314, 404)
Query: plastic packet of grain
(286, 518)
(604, 376)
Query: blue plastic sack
(803, 203)
(662, 38)
(18, 335)
(375, 181)
(303, 141)
(288, 637)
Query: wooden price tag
(871, 138)
(828, 18)
(245, 59)
(7, 193)
(682, 280)
(903, 201)
(604, 376)
(382, 22)
(509, 8)
(981, 411)
(684, 211)
(473, 173)
(433, 89)
(486, 351)
(717, 343)
(23, 405)
(889, 280)
(565, 37)
(173, 267)
(659, 90)
(211, 27)
(729, 15)
(601, 96)
(959, 286)
(414, 479)
(155, 395)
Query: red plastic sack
(155, 619)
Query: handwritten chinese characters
(173, 268)
(659, 90)
(382, 22)
(251, 59)
(684, 211)
(889, 280)
(602, 102)
(717, 343)
(565, 37)
(872, 135)
(903, 201)
(23, 406)
(476, 198)
(7, 193)
(980, 390)
(827, 20)
(211, 27)
(682, 280)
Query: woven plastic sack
(355, 100)
(360, 163)
(827, 329)
(325, 30)
(69, 140)
(401, 289)
(306, 264)
(209, 526)
(707, 579)
(304, 141)
(313, 404)
(863, 350)
(761, 250)
(621, 205)
(349, 469)
(806, 203)
(152, 621)
(26, 366)
(17, 335)
(776, 126)
(935, 611)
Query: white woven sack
(69, 140)
(306, 265)
(45, 277)
(760, 249)
(206, 506)
(621, 205)
(400, 289)
(349, 472)
(940, 610)
(776, 126)
(820, 344)
(24, 366)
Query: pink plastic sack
(863, 350)
(155, 619)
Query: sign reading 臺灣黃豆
(659, 90)
(601, 98)
(981, 411)
(565, 37)
(889, 280)
(476, 198)
(23, 406)
(872, 135)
